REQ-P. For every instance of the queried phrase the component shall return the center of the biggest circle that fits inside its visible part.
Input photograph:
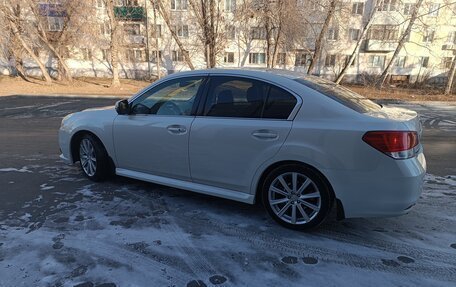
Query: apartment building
(147, 40)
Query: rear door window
(247, 98)
(235, 97)
(279, 104)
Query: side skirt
(195, 187)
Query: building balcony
(380, 46)
(449, 46)
(129, 13)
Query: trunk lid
(410, 118)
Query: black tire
(102, 165)
(325, 201)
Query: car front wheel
(296, 196)
(93, 158)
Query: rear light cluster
(396, 144)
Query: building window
(347, 59)
(100, 3)
(428, 36)
(330, 60)
(230, 6)
(446, 62)
(153, 56)
(388, 5)
(257, 58)
(86, 54)
(451, 39)
(353, 34)
(281, 58)
(106, 54)
(55, 24)
(408, 8)
(303, 59)
(178, 4)
(157, 29)
(134, 55)
(333, 34)
(424, 62)
(132, 29)
(181, 30)
(376, 61)
(229, 57)
(358, 8)
(104, 28)
(258, 33)
(383, 32)
(127, 3)
(230, 32)
(178, 56)
(400, 62)
(434, 9)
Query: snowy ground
(59, 229)
(132, 234)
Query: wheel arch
(271, 167)
(76, 138)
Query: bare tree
(319, 41)
(114, 42)
(208, 15)
(451, 74)
(361, 38)
(401, 43)
(166, 18)
(12, 13)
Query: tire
(310, 194)
(93, 158)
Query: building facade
(148, 45)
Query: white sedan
(300, 144)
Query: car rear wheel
(296, 196)
(93, 158)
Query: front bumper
(390, 190)
(65, 159)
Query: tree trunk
(451, 73)
(401, 43)
(321, 36)
(362, 37)
(16, 33)
(114, 45)
(165, 16)
(157, 48)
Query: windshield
(340, 94)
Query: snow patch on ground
(10, 169)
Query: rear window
(340, 94)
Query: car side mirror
(123, 107)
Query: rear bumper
(389, 190)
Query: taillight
(396, 144)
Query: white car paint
(220, 157)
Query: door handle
(176, 129)
(265, 135)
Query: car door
(153, 138)
(243, 124)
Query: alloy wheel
(88, 157)
(294, 198)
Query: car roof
(266, 73)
